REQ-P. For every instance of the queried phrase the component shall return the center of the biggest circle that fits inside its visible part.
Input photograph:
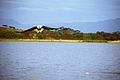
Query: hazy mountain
(10, 22)
(106, 25)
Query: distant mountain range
(10, 22)
(111, 25)
(106, 25)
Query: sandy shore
(37, 40)
(117, 41)
(52, 40)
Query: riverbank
(37, 40)
(52, 40)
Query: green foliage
(100, 41)
(61, 33)
(9, 33)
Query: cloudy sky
(57, 11)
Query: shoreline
(61, 40)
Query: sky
(58, 11)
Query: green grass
(99, 41)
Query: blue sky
(57, 11)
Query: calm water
(59, 61)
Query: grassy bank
(116, 41)
(99, 41)
(52, 40)
(37, 40)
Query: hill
(62, 33)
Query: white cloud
(29, 9)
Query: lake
(59, 61)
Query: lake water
(59, 61)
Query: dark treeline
(61, 33)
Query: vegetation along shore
(63, 34)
